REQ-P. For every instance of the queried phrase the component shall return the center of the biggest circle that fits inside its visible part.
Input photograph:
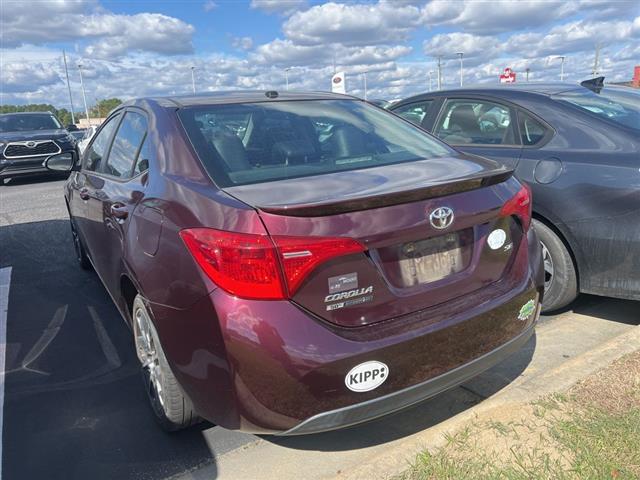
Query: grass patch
(591, 432)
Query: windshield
(22, 123)
(251, 143)
(618, 105)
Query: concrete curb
(397, 458)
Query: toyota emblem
(31, 144)
(441, 218)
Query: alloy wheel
(548, 266)
(148, 355)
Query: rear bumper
(378, 407)
(271, 367)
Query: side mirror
(72, 127)
(62, 162)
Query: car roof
(505, 91)
(241, 96)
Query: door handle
(119, 210)
(84, 193)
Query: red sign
(509, 76)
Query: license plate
(432, 259)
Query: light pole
(460, 55)
(527, 70)
(286, 77)
(66, 72)
(193, 80)
(364, 76)
(84, 95)
(561, 57)
(439, 72)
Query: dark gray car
(578, 147)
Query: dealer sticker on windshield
(527, 310)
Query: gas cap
(547, 170)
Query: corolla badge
(366, 376)
(441, 218)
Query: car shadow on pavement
(605, 308)
(418, 417)
(74, 405)
(614, 310)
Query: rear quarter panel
(594, 200)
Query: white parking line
(5, 281)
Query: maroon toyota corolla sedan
(295, 263)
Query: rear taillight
(253, 266)
(301, 255)
(520, 206)
(243, 264)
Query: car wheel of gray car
(81, 254)
(560, 280)
(172, 408)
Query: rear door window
(414, 112)
(475, 122)
(126, 145)
(531, 130)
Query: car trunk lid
(412, 260)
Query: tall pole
(439, 72)
(66, 71)
(365, 84)
(460, 54)
(595, 71)
(84, 95)
(193, 80)
(527, 73)
(286, 77)
(561, 57)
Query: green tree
(103, 107)
(61, 114)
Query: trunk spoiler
(388, 199)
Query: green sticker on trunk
(526, 310)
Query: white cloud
(283, 7)
(26, 77)
(285, 53)
(570, 38)
(242, 43)
(498, 15)
(108, 35)
(209, 5)
(352, 24)
(448, 44)
(139, 55)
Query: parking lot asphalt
(73, 402)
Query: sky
(141, 48)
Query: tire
(81, 253)
(561, 281)
(171, 407)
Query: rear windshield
(261, 142)
(22, 123)
(616, 105)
